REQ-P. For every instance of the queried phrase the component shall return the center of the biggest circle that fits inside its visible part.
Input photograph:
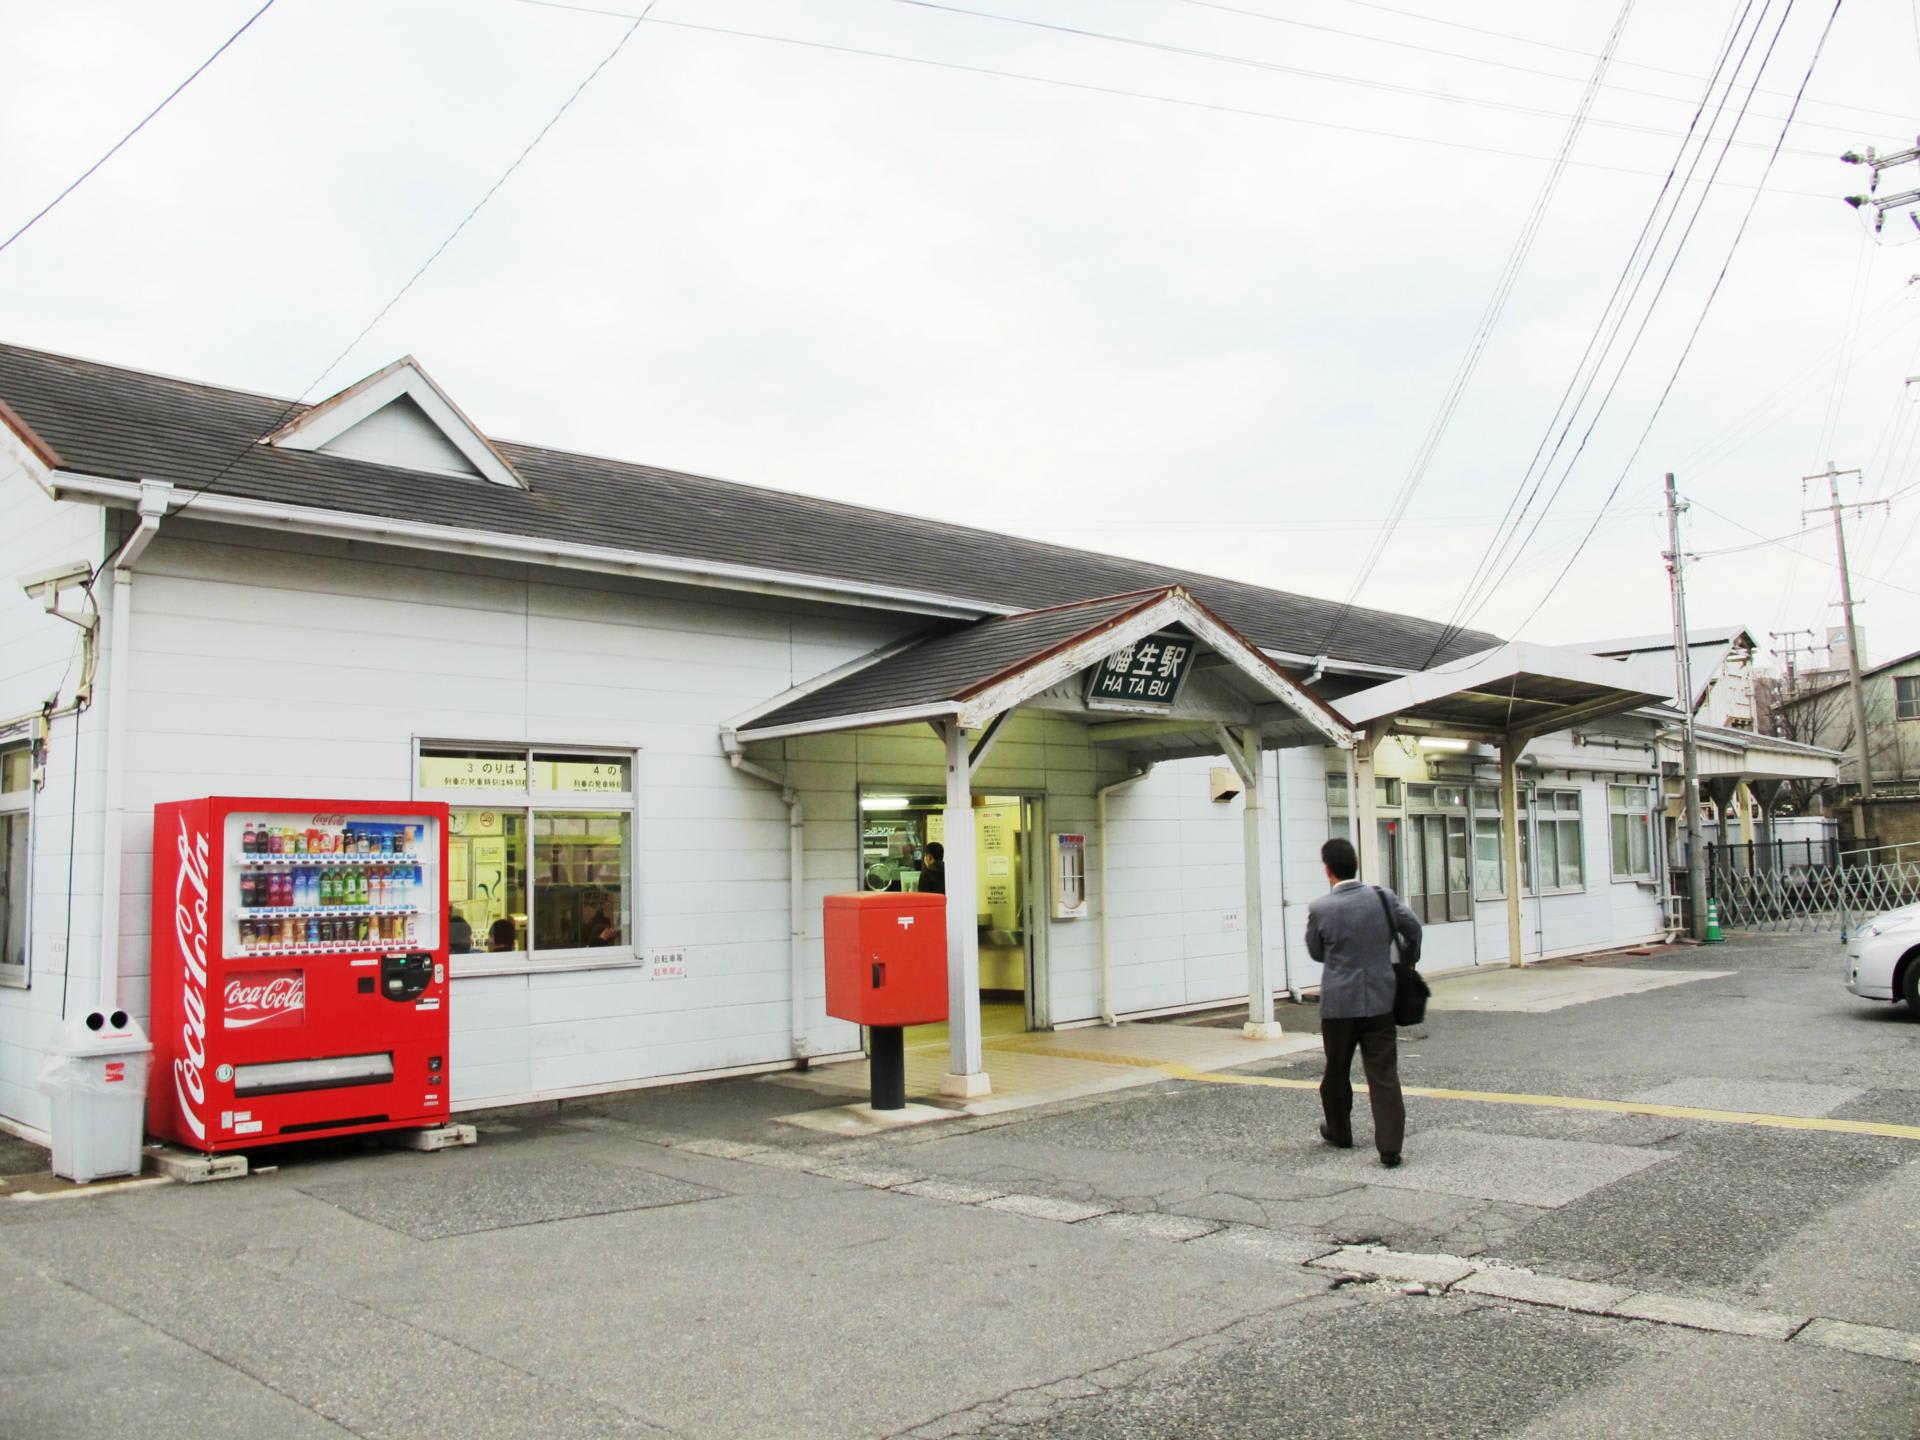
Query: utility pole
(1690, 750)
(1865, 756)
(1791, 651)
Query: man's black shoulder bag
(1409, 990)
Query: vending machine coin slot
(406, 977)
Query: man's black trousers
(1373, 1036)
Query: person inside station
(500, 935)
(599, 929)
(933, 869)
(459, 934)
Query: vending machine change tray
(337, 1072)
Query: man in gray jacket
(1348, 933)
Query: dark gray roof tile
(126, 424)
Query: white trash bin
(97, 1078)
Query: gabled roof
(1707, 650)
(126, 425)
(1866, 673)
(1512, 687)
(980, 670)
(401, 389)
(1723, 635)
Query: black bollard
(887, 1067)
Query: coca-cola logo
(190, 935)
(264, 1000)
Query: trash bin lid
(101, 1032)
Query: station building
(673, 713)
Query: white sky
(1209, 338)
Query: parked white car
(1883, 958)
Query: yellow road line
(1176, 1070)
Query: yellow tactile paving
(1178, 1071)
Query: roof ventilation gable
(400, 434)
(399, 417)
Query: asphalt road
(1180, 1259)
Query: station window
(539, 854)
(1438, 853)
(1557, 818)
(1631, 830)
(16, 795)
(1489, 855)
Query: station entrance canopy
(1153, 674)
(1504, 697)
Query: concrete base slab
(1258, 1030)
(1537, 989)
(1439, 1270)
(1863, 1340)
(864, 1119)
(1048, 1207)
(1759, 1097)
(966, 1087)
(190, 1168)
(1487, 1166)
(440, 1137)
(1528, 1288)
(1709, 1315)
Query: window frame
(1627, 811)
(18, 975)
(529, 802)
(1552, 815)
(1906, 706)
(1424, 809)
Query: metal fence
(1808, 885)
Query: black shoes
(1390, 1158)
(1328, 1136)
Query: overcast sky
(1166, 327)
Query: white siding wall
(38, 655)
(285, 666)
(1179, 917)
(1037, 752)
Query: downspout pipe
(156, 498)
(1106, 947)
(796, 889)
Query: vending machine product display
(299, 977)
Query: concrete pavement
(1177, 1259)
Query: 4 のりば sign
(1146, 675)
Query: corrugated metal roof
(125, 424)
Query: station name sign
(1146, 675)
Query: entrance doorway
(895, 829)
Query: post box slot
(879, 972)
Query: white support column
(1510, 747)
(1260, 1022)
(966, 1070)
(1364, 808)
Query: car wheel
(1910, 987)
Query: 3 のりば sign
(1146, 675)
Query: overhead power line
(1607, 326)
(114, 148)
(1122, 92)
(1707, 305)
(1483, 332)
(1901, 118)
(518, 160)
(1611, 86)
(1304, 72)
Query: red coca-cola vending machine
(299, 970)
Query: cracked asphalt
(681, 1263)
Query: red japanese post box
(887, 958)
